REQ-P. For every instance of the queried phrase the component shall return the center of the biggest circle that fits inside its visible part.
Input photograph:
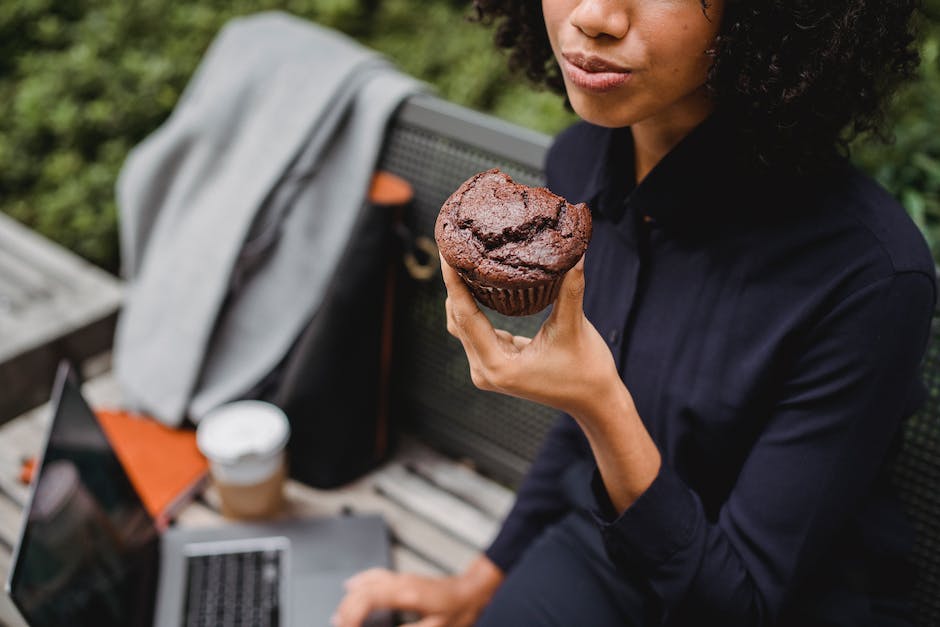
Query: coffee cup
(245, 442)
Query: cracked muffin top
(506, 235)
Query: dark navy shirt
(769, 328)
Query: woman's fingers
(377, 589)
(360, 600)
(428, 621)
(465, 321)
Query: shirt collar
(699, 182)
(612, 176)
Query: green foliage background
(82, 81)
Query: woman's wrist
(604, 403)
(480, 580)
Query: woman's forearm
(627, 458)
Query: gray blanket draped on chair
(234, 213)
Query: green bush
(82, 81)
(909, 167)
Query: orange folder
(164, 464)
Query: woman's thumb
(569, 307)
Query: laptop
(90, 554)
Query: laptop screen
(89, 551)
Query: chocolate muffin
(512, 244)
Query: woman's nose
(596, 18)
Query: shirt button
(613, 336)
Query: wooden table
(440, 512)
(52, 304)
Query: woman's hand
(439, 601)
(567, 365)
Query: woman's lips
(593, 73)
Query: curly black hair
(801, 78)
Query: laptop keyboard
(234, 589)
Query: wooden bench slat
(52, 302)
(458, 479)
(11, 519)
(10, 487)
(19, 439)
(198, 514)
(9, 615)
(22, 279)
(57, 265)
(444, 510)
(407, 561)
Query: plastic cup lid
(242, 429)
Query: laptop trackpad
(317, 595)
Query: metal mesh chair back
(917, 477)
(436, 146)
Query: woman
(735, 353)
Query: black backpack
(334, 384)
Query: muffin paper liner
(523, 301)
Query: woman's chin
(601, 114)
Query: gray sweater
(234, 213)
